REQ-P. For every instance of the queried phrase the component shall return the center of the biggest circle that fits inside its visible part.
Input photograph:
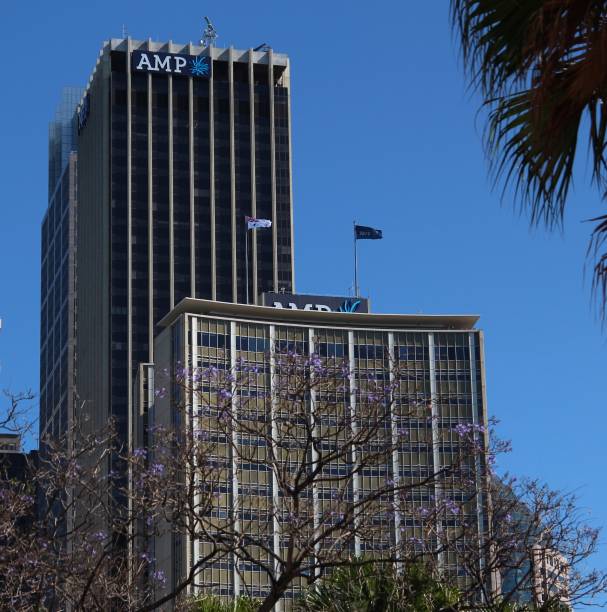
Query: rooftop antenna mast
(209, 36)
(125, 32)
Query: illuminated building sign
(171, 63)
(322, 303)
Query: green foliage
(379, 588)
(424, 593)
(212, 603)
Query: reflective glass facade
(57, 314)
(62, 135)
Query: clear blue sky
(384, 131)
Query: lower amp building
(345, 432)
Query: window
(212, 340)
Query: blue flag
(362, 232)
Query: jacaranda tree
(74, 534)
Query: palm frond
(526, 152)
(598, 241)
(541, 67)
(492, 37)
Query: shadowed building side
(177, 144)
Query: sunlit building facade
(431, 361)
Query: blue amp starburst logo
(200, 66)
(349, 306)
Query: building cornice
(270, 314)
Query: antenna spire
(209, 36)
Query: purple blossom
(224, 416)
(147, 557)
(589, 532)
(224, 394)
(461, 429)
(390, 388)
(157, 469)
(140, 453)
(159, 576)
(465, 429)
(99, 536)
(181, 372)
(160, 392)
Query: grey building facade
(171, 160)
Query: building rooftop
(217, 53)
(316, 318)
(10, 442)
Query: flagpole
(355, 262)
(246, 257)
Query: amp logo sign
(171, 63)
(322, 303)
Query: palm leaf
(541, 67)
(599, 240)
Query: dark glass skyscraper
(57, 314)
(176, 145)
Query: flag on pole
(253, 223)
(362, 232)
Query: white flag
(253, 223)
